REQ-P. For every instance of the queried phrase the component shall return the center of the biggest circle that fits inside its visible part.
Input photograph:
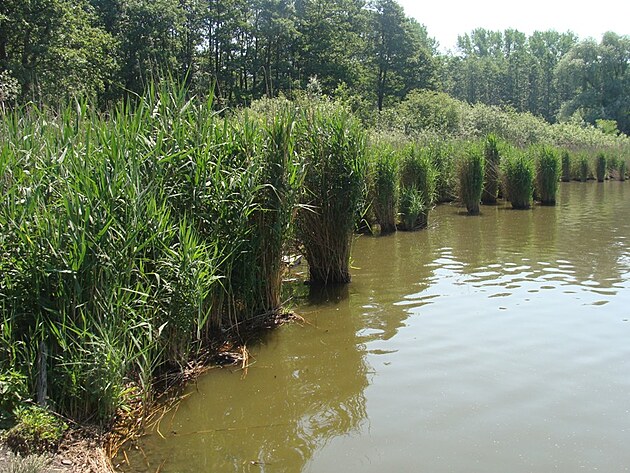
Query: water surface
(498, 343)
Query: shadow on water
(305, 385)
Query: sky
(446, 19)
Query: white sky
(446, 19)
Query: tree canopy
(369, 51)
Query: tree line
(368, 53)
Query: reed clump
(492, 163)
(518, 174)
(600, 167)
(417, 187)
(471, 177)
(547, 174)
(583, 167)
(383, 186)
(332, 144)
(565, 158)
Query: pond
(498, 343)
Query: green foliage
(547, 174)
(600, 167)
(417, 187)
(332, 144)
(128, 243)
(622, 169)
(413, 209)
(36, 431)
(518, 174)
(471, 177)
(492, 163)
(13, 390)
(584, 167)
(383, 178)
(565, 158)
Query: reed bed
(130, 241)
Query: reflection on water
(485, 344)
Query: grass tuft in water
(383, 186)
(417, 187)
(600, 167)
(332, 143)
(518, 173)
(547, 174)
(471, 177)
(492, 163)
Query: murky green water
(498, 343)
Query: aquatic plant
(383, 189)
(566, 165)
(417, 187)
(471, 176)
(547, 174)
(600, 167)
(518, 174)
(128, 242)
(492, 162)
(332, 143)
(584, 168)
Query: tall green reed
(518, 174)
(492, 162)
(383, 186)
(332, 143)
(471, 177)
(417, 187)
(547, 174)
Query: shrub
(36, 431)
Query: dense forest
(369, 54)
